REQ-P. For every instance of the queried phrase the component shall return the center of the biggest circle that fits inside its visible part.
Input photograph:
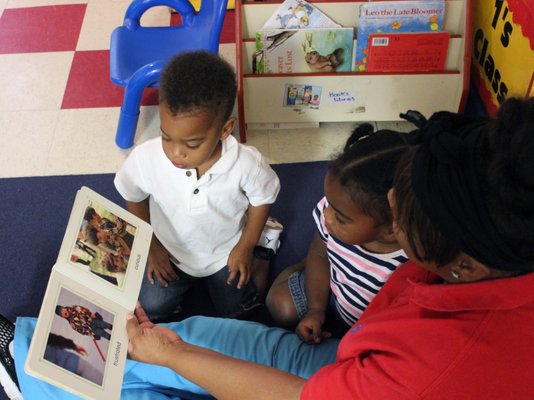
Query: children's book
(411, 51)
(298, 14)
(303, 50)
(395, 17)
(80, 342)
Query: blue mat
(35, 212)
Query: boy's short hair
(198, 81)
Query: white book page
(80, 341)
(106, 252)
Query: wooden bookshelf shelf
(377, 96)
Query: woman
(462, 324)
(458, 325)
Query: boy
(207, 196)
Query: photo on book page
(302, 96)
(103, 244)
(79, 337)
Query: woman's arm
(223, 376)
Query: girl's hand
(240, 260)
(159, 264)
(310, 327)
(148, 342)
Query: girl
(353, 251)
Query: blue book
(395, 17)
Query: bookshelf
(374, 96)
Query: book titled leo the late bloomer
(80, 342)
(395, 17)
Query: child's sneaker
(269, 240)
(8, 376)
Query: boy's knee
(158, 309)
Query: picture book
(298, 14)
(303, 50)
(395, 17)
(411, 51)
(80, 341)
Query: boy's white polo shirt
(198, 221)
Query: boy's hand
(159, 265)
(240, 260)
(81, 350)
(310, 327)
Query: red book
(410, 51)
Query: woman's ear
(467, 269)
(228, 127)
(391, 199)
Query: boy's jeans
(161, 302)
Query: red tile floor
(59, 109)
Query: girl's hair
(505, 164)
(366, 167)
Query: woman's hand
(148, 343)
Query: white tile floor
(39, 138)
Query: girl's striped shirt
(356, 275)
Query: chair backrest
(206, 24)
(134, 46)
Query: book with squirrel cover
(80, 342)
(395, 17)
(298, 14)
(303, 50)
(411, 51)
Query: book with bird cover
(286, 51)
(80, 341)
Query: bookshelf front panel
(352, 98)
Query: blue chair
(138, 53)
